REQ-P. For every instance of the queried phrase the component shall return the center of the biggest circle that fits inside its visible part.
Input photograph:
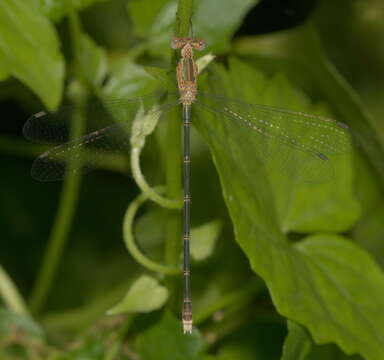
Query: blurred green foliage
(274, 256)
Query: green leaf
(299, 207)
(292, 175)
(330, 352)
(323, 282)
(369, 233)
(203, 239)
(152, 16)
(145, 295)
(368, 185)
(128, 79)
(154, 19)
(29, 49)
(298, 343)
(93, 61)
(166, 341)
(217, 27)
(57, 9)
(356, 296)
(301, 54)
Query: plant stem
(61, 227)
(183, 18)
(174, 190)
(173, 172)
(68, 199)
(11, 295)
(145, 188)
(131, 245)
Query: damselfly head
(178, 43)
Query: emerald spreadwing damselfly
(318, 138)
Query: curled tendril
(130, 241)
(143, 125)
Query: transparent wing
(96, 148)
(300, 143)
(54, 128)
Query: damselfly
(317, 137)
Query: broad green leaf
(203, 239)
(319, 281)
(57, 9)
(217, 27)
(300, 53)
(369, 233)
(30, 50)
(145, 295)
(151, 16)
(351, 298)
(298, 343)
(166, 341)
(128, 79)
(310, 195)
(368, 185)
(93, 61)
(330, 352)
(154, 19)
(301, 208)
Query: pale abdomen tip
(187, 326)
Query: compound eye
(200, 45)
(175, 43)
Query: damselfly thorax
(186, 71)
